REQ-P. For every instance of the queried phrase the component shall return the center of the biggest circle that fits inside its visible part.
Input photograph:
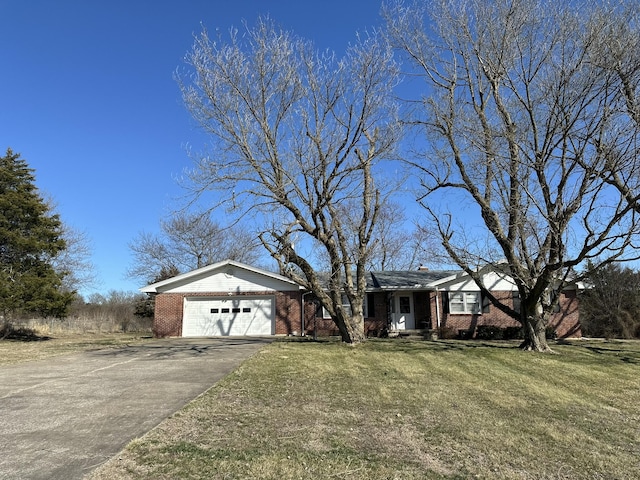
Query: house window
(405, 305)
(246, 310)
(215, 310)
(235, 310)
(346, 307)
(464, 302)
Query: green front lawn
(393, 409)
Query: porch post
(437, 310)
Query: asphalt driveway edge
(67, 416)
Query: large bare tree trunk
(351, 328)
(535, 338)
(535, 326)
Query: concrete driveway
(62, 417)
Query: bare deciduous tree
(75, 260)
(395, 245)
(299, 134)
(516, 112)
(188, 241)
(615, 57)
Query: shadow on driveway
(184, 347)
(64, 416)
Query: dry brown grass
(46, 344)
(405, 410)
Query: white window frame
(461, 303)
(346, 306)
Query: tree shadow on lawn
(21, 334)
(625, 351)
(626, 355)
(628, 352)
(405, 345)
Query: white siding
(229, 279)
(492, 280)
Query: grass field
(405, 410)
(40, 347)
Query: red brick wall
(167, 321)
(374, 325)
(288, 313)
(169, 307)
(565, 321)
(377, 322)
(435, 309)
(468, 323)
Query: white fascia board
(403, 288)
(451, 278)
(457, 277)
(153, 288)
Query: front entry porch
(402, 317)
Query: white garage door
(209, 317)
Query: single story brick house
(233, 299)
(451, 301)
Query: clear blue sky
(87, 96)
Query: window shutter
(445, 302)
(486, 304)
(371, 305)
(515, 296)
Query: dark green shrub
(489, 332)
(550, 333)
(447, 333)
(465, 334)
(513, 333)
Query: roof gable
(226, 276)
(491, 279)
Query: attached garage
(228, 316)
(227, 299)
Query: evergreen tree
(30, 237)
(611, 307)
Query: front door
(402, 311)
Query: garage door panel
(228, 316)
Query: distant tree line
(115, 311)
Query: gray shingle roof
(400, 279)
(408, 279)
